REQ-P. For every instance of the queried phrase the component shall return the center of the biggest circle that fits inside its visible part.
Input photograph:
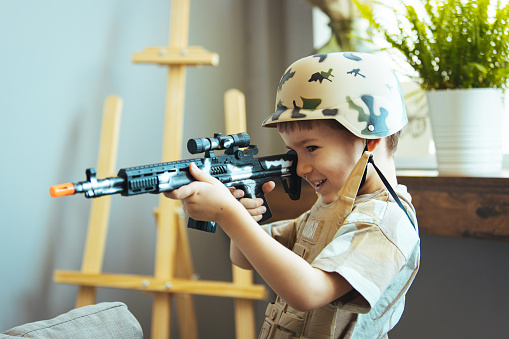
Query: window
(420, 151)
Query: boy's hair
(289, 126)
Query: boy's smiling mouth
(318, 184)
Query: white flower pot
(467, 128)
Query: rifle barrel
(62, 190)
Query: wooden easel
(235, 119)
(173, 274)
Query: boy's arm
(238, 258)
(256, 210)
(298, 283)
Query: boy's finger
(236, 193)
(171, 195)
(251, 203)
(257, 217)
(268, 186)
(258, 211)
(183, 192)
(199, 175)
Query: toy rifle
(235, 168)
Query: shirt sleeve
(285, 231)
(366, 258)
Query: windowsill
(434, 173)
(428, 163)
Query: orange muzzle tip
(62, 190)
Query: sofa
(102, 320)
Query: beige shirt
(375, 248)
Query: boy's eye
(311, 148)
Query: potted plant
(459, 51)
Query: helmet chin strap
(366, 169)
(385, 181)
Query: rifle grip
(268, 212)
(255, 191)
(207, 226)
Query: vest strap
(390, 189)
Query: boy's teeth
(318, 183)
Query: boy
(342, 269)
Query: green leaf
(450, 44)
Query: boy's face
(326, 156)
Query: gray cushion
(103, 320)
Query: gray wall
(60, 59)
(459, 292)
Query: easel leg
(184, 269)
(164, 260)
(173, 259)
(235, 117)
(93, 254)
(172, 140)
(161, 316)
(244, 308)
(86, 296)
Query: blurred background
(61, 59)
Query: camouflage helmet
(359, 90)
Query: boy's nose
(303, 168)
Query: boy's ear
(373, 144)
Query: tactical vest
(320, 225)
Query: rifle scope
(199, 145)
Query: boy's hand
(254, 206)
(205, 199)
